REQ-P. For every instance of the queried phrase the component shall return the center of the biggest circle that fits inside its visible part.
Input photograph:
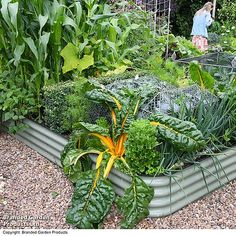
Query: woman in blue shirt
(202, 19)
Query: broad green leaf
(91, 201)
(183, 134)
(79, 12)
(72, 165)
(112, 34)
(17, 53)
(101, 96)
(201, 77)
(95, 128)
(117, 71)
(69, 21)
(13, 10)
(85, 62)
(32, 46)
(4, 11)
(42, 21)
(44, 39)
(71, 60)
(103, 16)
(112, 46)
(134, 204)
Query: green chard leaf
(91, 201)
(183, 134)
(134, 204)
(201, 77)
(95, 128)
(72, 163)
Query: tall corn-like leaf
(91, 201)
(4, 11)
(183, 134)
(13, 11)
(32, 46)
(17, 53)
(44, 39)
(78, 12)
(134, 204)
(42, 21)
(201, 77)
(69, 21)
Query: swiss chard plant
(94, 194)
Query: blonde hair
(207, 7)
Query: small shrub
(55, 104)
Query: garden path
(38, 193)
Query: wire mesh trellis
(159, 14)
(168, 101)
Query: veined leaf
(91, 201)
(183, 134)
(44, 39)
(72, 61)
(134, 204)
(102, 16)
(85, 62)
(99, 96)
(71, 163)
(95, 128)
(201, 77)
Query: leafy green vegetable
(141, 153)
(183, 134)
(91, 201)
(134, 204)
(201, 77)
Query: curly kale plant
(141, 154)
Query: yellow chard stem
(136, 107)
(113, 115)
(117, 103)
(154, 123)
(109, 166)
(99, 160)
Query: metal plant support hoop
(159, 16)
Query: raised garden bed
(171, 193)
